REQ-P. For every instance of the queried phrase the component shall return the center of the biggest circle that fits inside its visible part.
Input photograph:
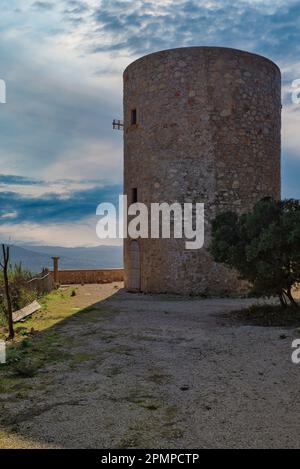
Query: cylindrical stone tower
(201, 124)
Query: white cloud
(61, 188)
(62, 95)
(101, 160)
(63, 234)
(290, 130)
(9, 215)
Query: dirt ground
(155, 371)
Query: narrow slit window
(133, 117)
(134, 195)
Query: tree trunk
(290, 297)
(282, 299)
(7, 292)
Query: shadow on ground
(40, 359)
(150, 371)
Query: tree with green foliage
(263, 246)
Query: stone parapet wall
(83, 276)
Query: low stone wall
(71, 276)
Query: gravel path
(162, 372)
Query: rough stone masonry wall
(208, 130)
(84, 276)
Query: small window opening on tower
(133, 117)
(134, 195)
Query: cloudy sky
(62, 61)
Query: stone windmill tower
(201, 124)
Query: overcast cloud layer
(62, 61)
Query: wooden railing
(43, 283)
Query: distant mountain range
(35, 258)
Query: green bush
(3, 320)
(25, 297)
(20, 294)
(262, 245)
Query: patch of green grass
(122, 350)
(146, 338)
(26, 343)
(170, 413)
(26, 369)
(90, 387)
(9, 384)
(172, 433)
(158, 378)
(267, 315)
(51, 341)
(13, 354)
(141, 435)
(145, 402)
(78, 358)
(170, 427)
(55, 307)
(134, 397)
(114, 371)
(91, 314)
(131, 441)
(25, 358)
